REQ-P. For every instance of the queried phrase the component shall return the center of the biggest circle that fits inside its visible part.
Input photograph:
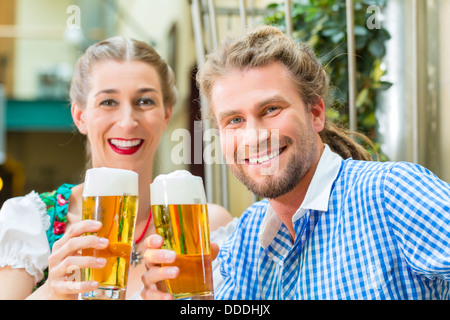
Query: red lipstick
(125, 146)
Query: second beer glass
(181, 218)
(111, 197)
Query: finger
(75, 263)
(66, 277)
(73, 245)
(84, 242)
(76, 230)
(158, 256)
(154, 294)
(82, 227)
(155, 241)
(72, 267)
(214, 250)
(155, 274)
(73, 287)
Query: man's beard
(276, 185)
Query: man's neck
(287, 205)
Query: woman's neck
(144, 206)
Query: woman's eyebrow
(113, 91)
(106, 91)
(147, 89)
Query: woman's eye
(108, 103)
(145, 102)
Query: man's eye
(236, 120)
(271, 109)
(108, 103)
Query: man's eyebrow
(259, 105)
(265, 102)
(227, 114)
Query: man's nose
(254, 136)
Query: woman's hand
(153, 278)
(66, 263)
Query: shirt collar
(316, 198)
(318, 193)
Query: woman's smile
(125, 146)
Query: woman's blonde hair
(269, 44)
(121, 49)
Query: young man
(332, 227)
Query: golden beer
(118, 216)
(181, 218)
(185, 230)
(115, 206)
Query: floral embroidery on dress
(57, 203)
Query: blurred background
(402, 93)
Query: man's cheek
(227, 142)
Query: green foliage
(322, 24)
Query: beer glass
(181, 217)
(111, 197)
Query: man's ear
(318, 115)
(78, 117)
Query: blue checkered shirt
(384, 233)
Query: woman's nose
(128, 117)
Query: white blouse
(23, 239)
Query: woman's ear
(78, 117)
(168, 114)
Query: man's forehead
(250, 88)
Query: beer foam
(110, 182)
(178, 187)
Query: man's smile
(260, 159)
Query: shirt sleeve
(239, 256)
(23, 240)
(228, 287)
(419, 207)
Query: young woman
(122, 96)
